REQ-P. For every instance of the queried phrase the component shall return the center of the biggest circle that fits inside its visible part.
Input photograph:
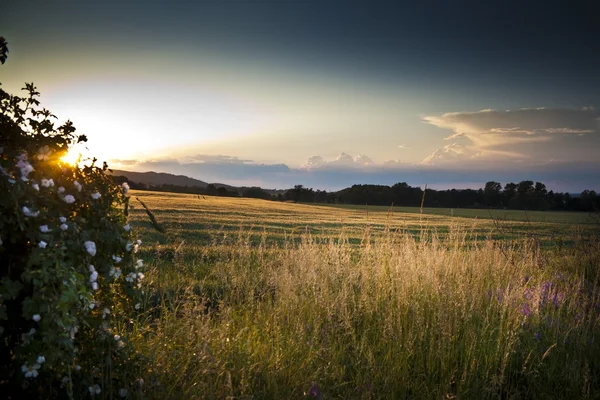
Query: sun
(73, 155)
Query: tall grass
(399, 316)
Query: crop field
(251, 299)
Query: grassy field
(250, 299)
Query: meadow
(255, 299)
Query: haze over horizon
(324, 94)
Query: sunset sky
(321, 93)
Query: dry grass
(390, 307)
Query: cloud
(343, 160)
(346, 170)
(527, 135)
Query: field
(255, 299)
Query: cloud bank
(529, 135)
(346, 170)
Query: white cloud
(343, 160)
(531, 134)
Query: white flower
(44, 153)
(29, 213)
(93, 276)
(90, 247)
(41, 360)
(91, 268)
(117, 259)
(128, 246)
(61, 189)
(42, 244)
(64, 227)
(44, 229)
(30, 372)
(117, 337)
(36, 186)
(92, 305)
(123, 392)
(138, 242)
(47, 182)
(140, 276)
(137, 306)
(36, 317)
(127, 228)
(131, 277)
(77, 186)
(139, 264)
(120, 344)
(116, 272)
(62, 219)
(11, 180)
(125, 187)
(94, 390)
(69, 199)
(95, 195)
(95, 285)
(25, 168)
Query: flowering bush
(69, 275)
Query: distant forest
(525, 195)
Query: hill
(160, 178)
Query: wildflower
(30, 371)
(140, 276)
(29, 213)
(117, 259)
(120, 344)
(526, 311)
(41, 360)
(127, 228)
(73, 332)
(44, 229)
(95, 195)
(115, 272)
(47, 182)
(117, 338)
(77, 186)
(62, 219)
(94, 390)
(90, 247)
(138, 242)
(64, 227)
(128, 246)
(123, 392)
(131, 277)
(93, 276)
(137, 306)
(36, 317)
(78, 368)
(92, 305)
(36, 186)
(139, 264)
(61, 190)
(44, 153)
(25, 168)
(69, 199)
(95, 285)
(11, 180)
(91, 268)
(42, 244)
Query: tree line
(525, 195)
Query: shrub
(69, 277)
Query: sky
(326, 94)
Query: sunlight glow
(72, 156)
